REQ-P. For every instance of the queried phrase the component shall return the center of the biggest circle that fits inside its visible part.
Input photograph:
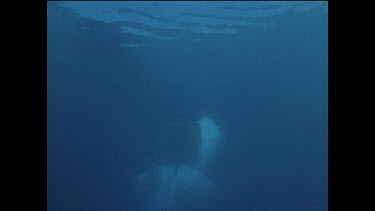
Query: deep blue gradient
(111, 108)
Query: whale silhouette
(180, 186)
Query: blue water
(128, 82)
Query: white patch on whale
(209, 139)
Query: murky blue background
(124, 77)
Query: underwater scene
(187, 106)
